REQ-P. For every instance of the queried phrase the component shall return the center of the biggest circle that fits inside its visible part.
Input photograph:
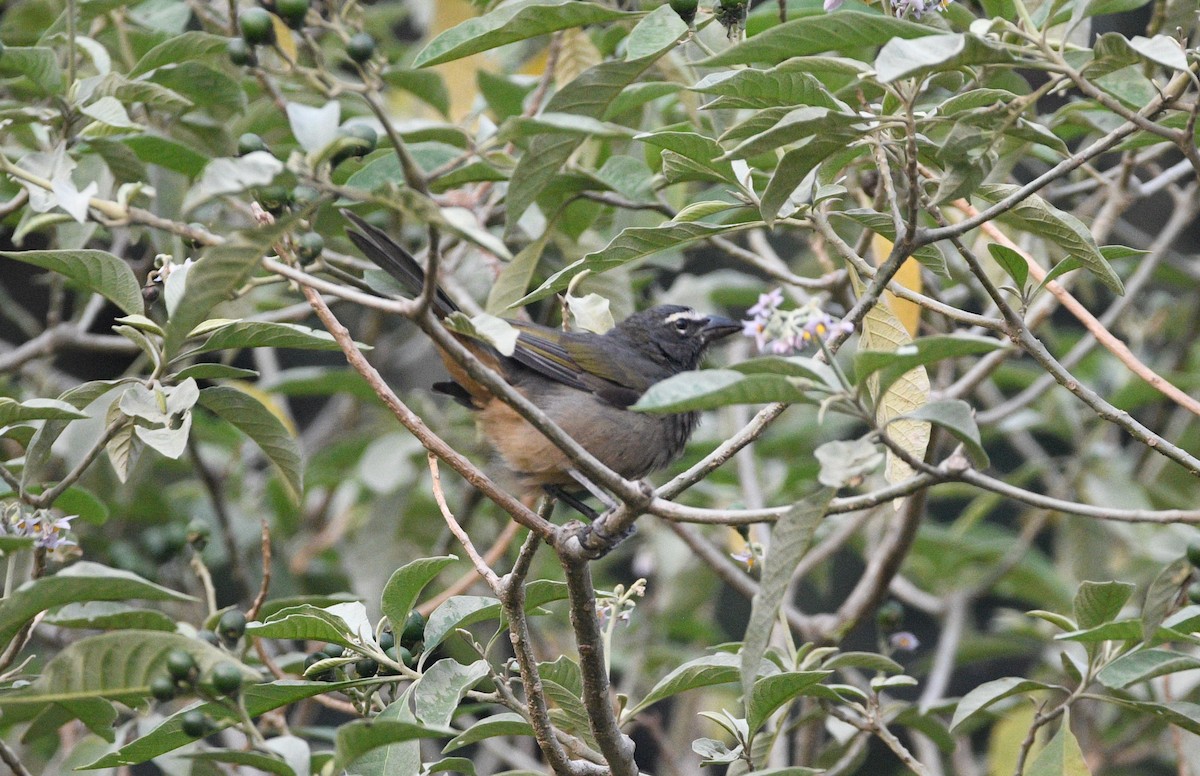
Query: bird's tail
(391, 257)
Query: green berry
(309, 246)
(256, 26)
(363, 132)
(231, 626)
(890, 617)
(1193, 554)
(273, 198)
(162, 688)
(686, 9)
(312, 660)
(394, 655)
(414, 629)
(181, 666)
(386, 640)
(209, 637)
(198, 533)
(227, 679)
(360, 47)
(333, 650)
(292, 12)
(240, 52)
(303, 196)
(366, 667)
(406, 657)
(1193, 592)
(195, 723)
(249, 143)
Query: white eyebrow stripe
(690, 315)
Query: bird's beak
(718, 327)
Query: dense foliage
(935, 520)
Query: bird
(583, 381)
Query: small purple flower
(768, 303)
(903, 641)
(919, 8)
(833, 5)
(786, 331)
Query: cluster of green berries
(257, 28)
(406, 652)
(183, 676)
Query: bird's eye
(681, 325)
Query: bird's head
(673, 335)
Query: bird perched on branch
(584, 382)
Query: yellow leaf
(909, 276)
(882, 330)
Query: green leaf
(37, 63)
(1144, 665)
(869, 661)
(425, 85)
(1120, 630)
(266, 334)
(457, 612)
(631, 244)
(108, 615)
(459, 765)
(717, 668)
(167, 153)
(791, 537)
(504, 724)
(1013, 263)
(258, 698)
(404, 587)
(1099, 602)
(990, 692)
(1184, 714)
(177, 49)
(212, 280)
(799, 124)
(1163, 594)
(1062, 755)
(13, 411)
(700, 149)
(921, 351)
(708, 389)
(790, 83)
(589, 94)
(509, 24)
(259, 761)
(437, 693)
(882, 224)
(771, 692)
(354, 739)
(253, 419)
(1036, 216)
(305, 622)
(83, 581)
(513, 281)
(97, 271)
(792, 170)
(656, 32)
(957, 417)
(842, 31)
(213, 371)
(118, 666)
(901, 58)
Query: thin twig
(481, 566)
(265, 585)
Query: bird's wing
(539, 349)
(578, 361)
